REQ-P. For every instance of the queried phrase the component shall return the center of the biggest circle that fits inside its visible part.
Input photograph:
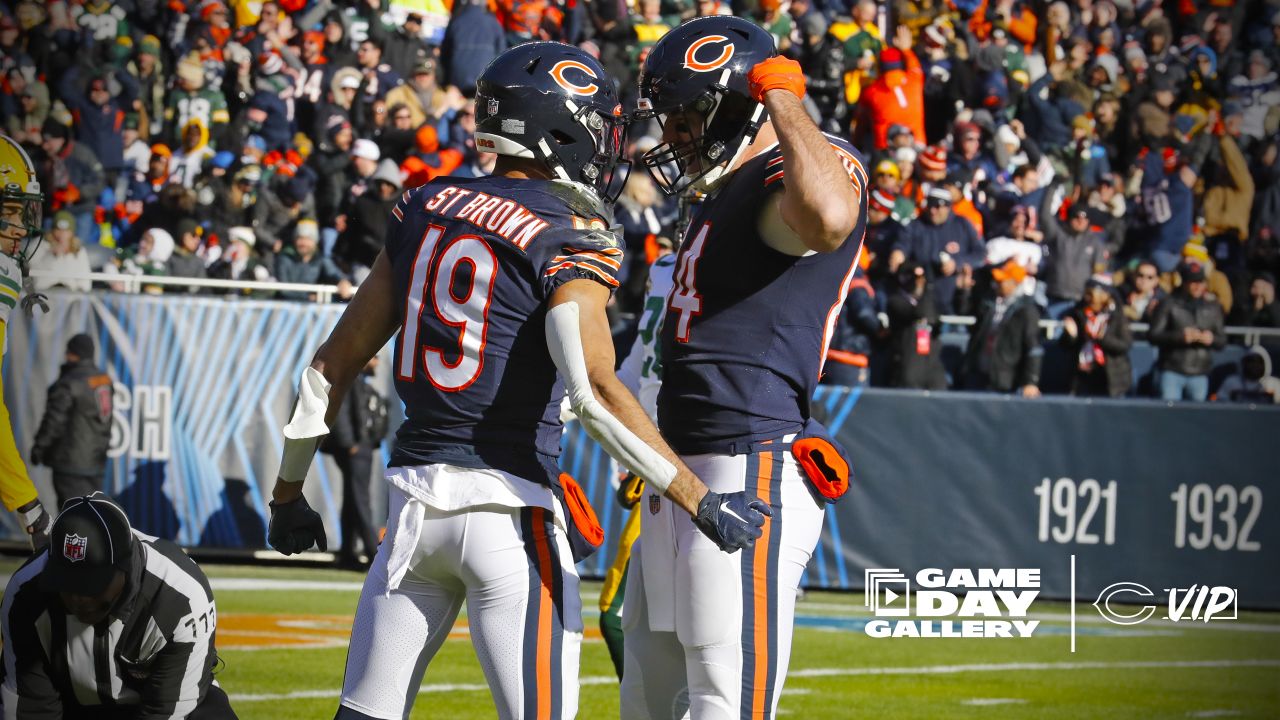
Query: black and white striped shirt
(155, 651)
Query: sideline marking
(983, 702)
(826, 672)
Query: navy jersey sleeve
(397, 227)
(775, 166)
(564, 254)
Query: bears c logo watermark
(692, 62)
(558, 74)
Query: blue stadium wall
(1167, 496)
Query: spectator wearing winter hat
(970, 161)
(149, 76)
(149, 257)
(1253, 382)
(1075, 253)
(422, 97)
(883, 231)
(301, 262)
(282, 203)
(331, 162)
(404, 45)
(1166, 184)
(915, 355)
(268, 114)
(30, 109)
(99, 118)
(188, 163)
(1187, 328)
(193, 99)
(62, 253)
(366, 224)
(136, 151)
(239, 261)
(1004, 352)
(1053, 107)
(344, 87)
(896, 96)
(1257, 90)
(946, 245)
(76, 175)
(186, 261)
(1098, 338)
(435, 160)
(365, 156)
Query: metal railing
(134, 283)
(1051, 328)
(325, 293)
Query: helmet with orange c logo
(696, 75)
(555, 103)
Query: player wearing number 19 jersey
(759, 283)
(494, 289)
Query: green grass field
(285, 648)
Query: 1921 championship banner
(1167, 499)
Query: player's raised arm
(819, 202)
(582, 348)
(365, 326)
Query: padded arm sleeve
(303, 433)
(564, 340)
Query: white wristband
(303, 433)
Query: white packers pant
(709, 632)
(514, 568)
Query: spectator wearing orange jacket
(897, 96)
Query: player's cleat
(732, 520)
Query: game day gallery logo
(961, 603)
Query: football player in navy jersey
(759, 283)
(495, 289)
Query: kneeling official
(109, 624)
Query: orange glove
(776, 73)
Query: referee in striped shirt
(109, 624)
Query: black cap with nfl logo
(90, 540)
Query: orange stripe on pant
(761, 592)
(545, 608)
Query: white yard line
(828, 672)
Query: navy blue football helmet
(696, 75)
(553, 102)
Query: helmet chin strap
(715, 177)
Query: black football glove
(732, 520)
(37, 523)
(295, 527)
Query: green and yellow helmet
(20, 201)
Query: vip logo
(74, 546)
(1198, 602)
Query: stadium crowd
(1097, 161)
